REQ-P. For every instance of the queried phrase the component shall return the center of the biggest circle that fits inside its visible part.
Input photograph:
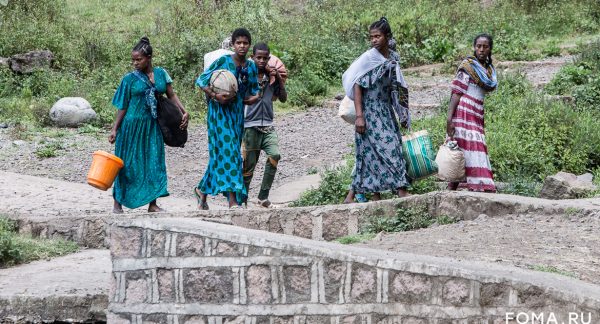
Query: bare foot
(403, 193)
(117, 208)
(201, 199)
(153, 208)
(349, 197)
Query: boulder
(565, 185)
(4, 61)
(31, 61)
(71, 112)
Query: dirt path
(309, 141)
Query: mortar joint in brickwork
(154, 288)
(347, 283)
(317, 230)
(207, 247)
(314, 283)
(145, 243)
(321, 281)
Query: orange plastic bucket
(104, 170)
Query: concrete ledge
(318, 222)
(72, 288)
(232, 271)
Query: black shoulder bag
(169, 118)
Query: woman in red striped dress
(476, 77)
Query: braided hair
(488, 60)
(384, 26)
(144, 47)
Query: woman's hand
(113, 136)
(222, 98)
(360, 125)
(184, 120)
(450, 129)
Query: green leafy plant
(48, 150)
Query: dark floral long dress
(379, 162)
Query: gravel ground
(316, 138)
(565, 244)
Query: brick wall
(188, 271)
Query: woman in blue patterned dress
(379, 162)
(226, 124)
(136, 133)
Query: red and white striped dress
(470, 134)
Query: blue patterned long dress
(140, 143)
(225, 125)
(379, 162)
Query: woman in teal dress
(225, 121)
(136, 133)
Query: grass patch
(16, 248)
(48, 150)
(357, 238)
(552, 269)
(406, 219)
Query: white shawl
(369, 61)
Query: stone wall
(317, 223)
(188, 271)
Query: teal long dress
(139, 143)
(225, 124)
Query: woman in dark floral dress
(379, 162)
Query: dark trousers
(253, 143)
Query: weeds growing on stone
(16, 248)
(357, 238)
(552, 269)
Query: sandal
(267, 204)
(360, 198)
(202, 205)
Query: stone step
(72, 288)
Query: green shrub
(331, 190)
(317, 40)
(305, 88)
(580, 79)
(405, 219)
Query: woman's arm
(454, 100)
(118, 120)
(219, 97)
(359, 124)
(171, 95)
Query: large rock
(565, 185)
(31, 61)
(71, 112)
